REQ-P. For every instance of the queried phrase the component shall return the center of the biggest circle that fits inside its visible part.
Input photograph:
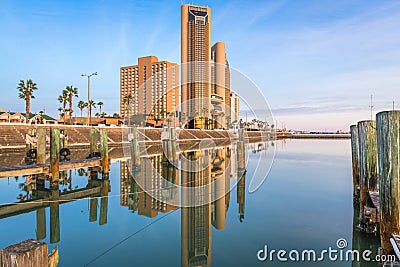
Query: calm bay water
(305, 203)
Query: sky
(317, 62)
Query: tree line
(26, 92)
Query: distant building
(235, 107)
(153, 87)
(19, 117)
(96, 121)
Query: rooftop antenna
(372, 107)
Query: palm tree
(63, 98)
(116, 115)
(26, 93)
(71, 92)
(156, 120)
(204, 117)
(82, 105)
(168, 121)
(213, 112)
(103, 114)
(97, 114)
(91, 104)
(60, 109)
(222, 116)
(127, 99)
(228, 121)
(100, 104)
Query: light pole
(89, 106)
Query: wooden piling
(167, 146)
(135, 151)
(173, 144)
(40, 223)
(388, 139)
(63, 138)
(241, 134)
(241, 155)
(93, 139)
(29, 253)
(30, 134)
(355, 160)
(41, 146)
(104, 151)
(55, 154)
(368, 161)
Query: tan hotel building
(153, 85)
(205, 84)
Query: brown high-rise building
(220, 93)
(205, 71)
(196, 67)
(152, 86)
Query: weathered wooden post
(241, 153)
(388, 138)
(166, 145)
(41, 145)
(28, 253)
(93, 139)
(368, 163)
(55, 154)
(29, 138)
(54, 215)
(41, 223)
(104, 151)
(63, 138)
(173, 144)
(355, 161)
(135, 151)
(104, 201)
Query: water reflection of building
(196, 221)
(206, 173)
(148, 190)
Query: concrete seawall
(13, 144)
(12, 136)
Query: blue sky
(317, 62)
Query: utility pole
(89, 106)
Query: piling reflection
(37, 197)
(362, 242)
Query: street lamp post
(89, 106)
